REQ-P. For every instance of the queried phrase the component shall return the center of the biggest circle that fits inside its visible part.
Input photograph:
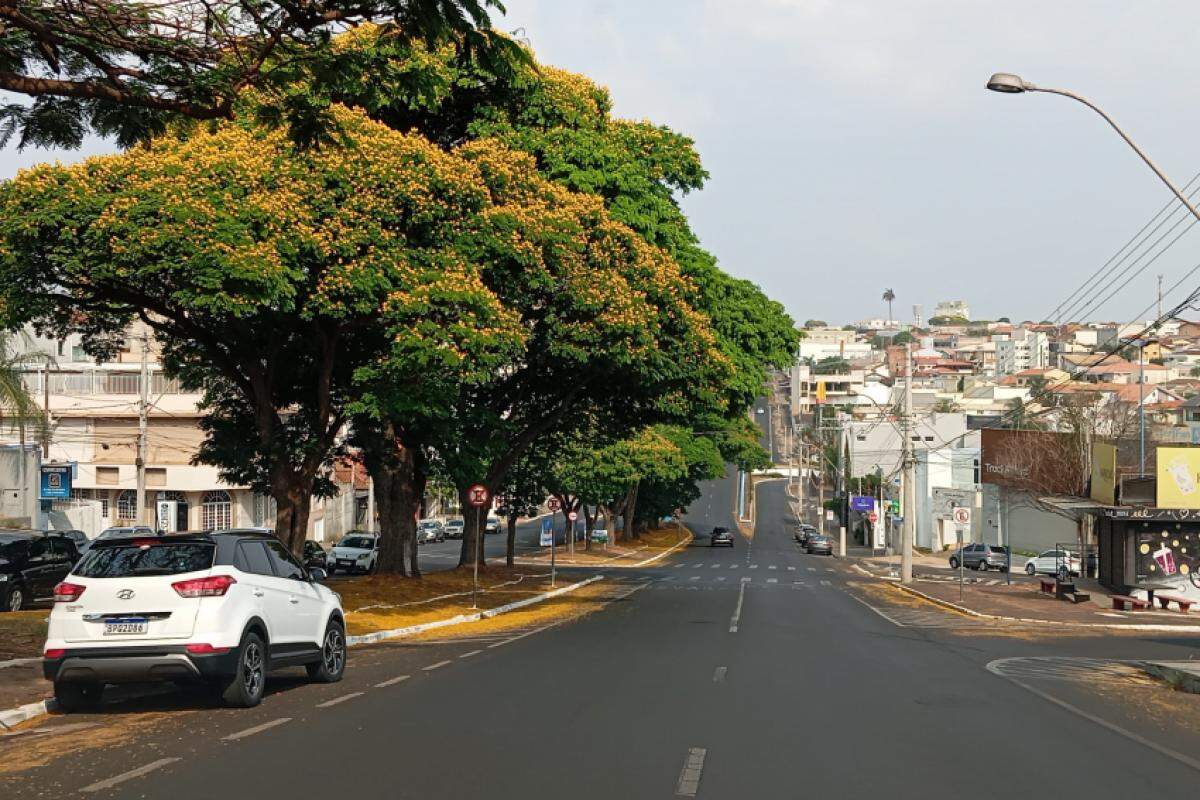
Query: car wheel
(16, 599)
(982, 566)
(333, 656)
(72, 697)
(953, 563)
(1030, 569)
(245, 688)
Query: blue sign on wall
(56, 481)
(860, 502)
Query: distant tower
(917, 311)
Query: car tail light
(54, 653)
(206, 649)
(67, 592)
(212, 586)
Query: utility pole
(1159, 315)
(143, 404)
(909, 501)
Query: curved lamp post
(1007, 83)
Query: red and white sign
(962, 516)
(572, 515)
(553, 504)
(872, 516)
(478, 495)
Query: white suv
(356, 552)
(223, 607)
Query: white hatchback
(223, 608)
(356, 552)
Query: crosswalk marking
(812, 569)
(733, 566)
(772, 580)
(791, 569)
(826, 583)
(697, 566)
(716, 566)
(694, 578)
(720, 577)
(754, 566)
(771, 567)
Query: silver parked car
(980, 556)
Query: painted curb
(1183, 675)
(15, 716)
(1033, 621)
(397, 633)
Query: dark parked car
(819, 544)
(980, 556)
(803, 532)
(31, 564)
(78, 537)
(720, 536)
(314, 555)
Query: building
(1020, 350)
(952, 308)
(94, 411)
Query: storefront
(1157, 547)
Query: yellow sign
(820, 391)
(1178, 477)
(1104, 473)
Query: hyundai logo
(125, 594)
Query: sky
(853, 147)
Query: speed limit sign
(962, 516)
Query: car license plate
(125, 627)
(343, 562)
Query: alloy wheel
(252, 669)
(333, 653)
(16, 600)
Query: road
(751, 672)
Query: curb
(1034, 621)
(1183, 675)
(14, 716)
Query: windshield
(135, 560)
(359, 542)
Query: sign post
(554, 506)
(962, 518)
(478, 495)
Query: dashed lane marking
(737, 612)
(391, 681)
(689, 776)
(772, 567)
(266, 726)
(791, 569)
(472, 653)
(108, 783)
(772, 580)
(812, 569)
(438, 665)
(754, 566)
(337, 700)
(694, 578)
(826, 583)
(719, 674)
(720, 577)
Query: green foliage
(832, 365)
(948, 320)
(815, 323)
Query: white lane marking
(791, 569)
(689, 776)
(719, 674)
(826, 583)
(391, 681)
(754, 566)
(266, 726)
(876, 610)
(526, 633)
(812, 569)
(797, 583)
(108, 783)
(737, 612)
(680, 566)
(733, 566)
(472, 653)
(435, 666)
(772, 580)
(1103, 723)
(720, 577)
(694, 578)
(827, 569)
(697, 566)
(337, 700)
(772, 567)
(746, 580)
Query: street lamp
(1007, 83)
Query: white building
(1021, 350)
(952, 308)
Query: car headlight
(364, 556)
(3, 577)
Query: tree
(815, 323)
(944, 319)
(125, 68)
(888, 297)
(945, 406)
(833, 365)
(268, 276)
(521, 494)
(903, 337)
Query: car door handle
(258, 592)
(293, 600)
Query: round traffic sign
(553, 504)
(962, 516)
(572, 515)
(478, 495)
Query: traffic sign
(478, 494)
(572, 515)
(962, 516)
(553, 504)
(872, 516)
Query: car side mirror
(316, 574)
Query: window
(252, 557)
(127, 505)
(216, 511)
(104, 501)
(107, 475)
(135, 559)
(285, 566)
(39, 550)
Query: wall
(1024, 527)
(19, 498)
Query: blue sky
(853, 147)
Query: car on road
(1050, 562)
(80, 539)
(314, 555)
(980, 556)
(492, 525)
(31, 563)
(803, 531)
(125, 532)
(356, 552)
(454, 528)
(430, 530)
(221, 608)
(720, 537)
(818, 543)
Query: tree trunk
(510, 551)
(396, 480)
(630, 512)
(610, 523)
(420, 481)
(589, 522)
(292, 493)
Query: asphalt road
(751, 672)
